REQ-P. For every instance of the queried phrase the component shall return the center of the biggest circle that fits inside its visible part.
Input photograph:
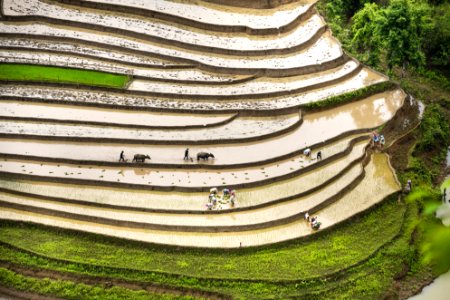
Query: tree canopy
(404, 33)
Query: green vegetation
(412, 34)
(306, 264)
(71, 290)
(445, 184)
(434, 129)
(430, 151)
(351, 96)
(409, 40)
(336, 250)
(19, 72)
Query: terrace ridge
(190, 228)
(190, 166)
(119, 125)
(200, 97)
(195, 24)
(281, 200)
(152, 187)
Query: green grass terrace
(32, 73)
(317, 264)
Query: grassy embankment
(288, 269)
(34, 73)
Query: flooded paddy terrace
(240, 128)
(173, 177)
(316, 128)
(14, 109)
(262, 86)
(165, 32)
(72, 61)
(254, 216)
(208, 13)
(79, 49)
(325, 49)
(357, 200)
(271, 59)
(362, 79)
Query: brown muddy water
(91, 114)
(178, 200)
(355, 201)
(317, 127)
(170, 177)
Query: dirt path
(103, 281)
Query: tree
(403, 25)
(437, 46)
(365, 31)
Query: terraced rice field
(234, 82)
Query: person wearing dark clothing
(122, 156)
(319, 155)
(186, 154)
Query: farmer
(122, 156)
(382, 141)
(186, 154)
(233, 198)
(307, 152)
(375, 138)
(319, 155)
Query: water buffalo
(140, 157)
(204, 155)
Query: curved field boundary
(113, 69)
(177, 228)
(152, 236)
(95, 280)
(170, 106)
(196, 97)
(175, 42)
(205, 26)
(305, 193)
(246, 96)
(294, 141)
(89, 56)
(325, 231)
(16, 294)
(266, 71)
(119, 140)
(352, 96)
(258, 183)
(189, 228)
(284, 199)
(119, 125)
(259, 4)
(87, 43)
(93, 43)
(185, 166)
(184, 188)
